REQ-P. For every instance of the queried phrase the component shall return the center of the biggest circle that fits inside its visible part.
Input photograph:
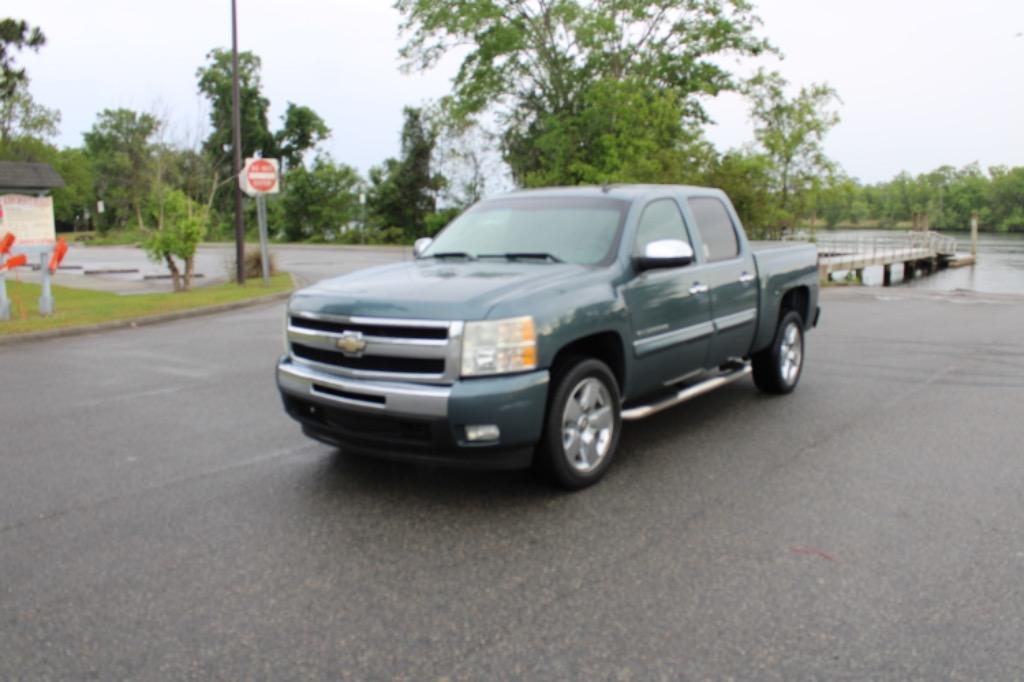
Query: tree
(403, 192)
(184, 226)
(15, 35)
(791, 132)
(302, 130)
(21, 116)
(215, 85)
(320, 202)
(746, 176)
(539, 66)
(120, 147)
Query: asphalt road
(160, 518)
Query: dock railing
(860, 250)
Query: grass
(82, 307)
(111, 238)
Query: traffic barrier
(14, 262)
(59, 249)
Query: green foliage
(624, 132)
(15, 35)
(541, 66)
(946, 197)
(120, 148)
(22, 116)
(74, 203)
(303, 129)
(214, 82)
(791, 131)
(403, 191)
(320, 202)
(746, 176)
(183, 227)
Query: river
(999, 269)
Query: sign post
(30, 220)
(259, 178)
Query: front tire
(582, 426)
(777, 369)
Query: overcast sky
(923, 82)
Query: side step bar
(685, 394)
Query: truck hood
(433, 290)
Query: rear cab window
(717, 231)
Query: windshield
(579, 230)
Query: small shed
(19, 177)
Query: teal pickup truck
(538, 320)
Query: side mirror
(421, 245)
(664, 253)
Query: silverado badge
(351, 343)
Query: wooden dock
(916, 251)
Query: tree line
(564, 92)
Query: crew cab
(538, 320)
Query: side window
(660, 220)
(716, 228)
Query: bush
(252, 264)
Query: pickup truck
(537, 321)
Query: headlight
(499, 346)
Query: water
(999, 269)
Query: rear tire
(778, 367)
(582, 425)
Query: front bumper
(418, 422)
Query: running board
(687, 393)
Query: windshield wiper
(451, 254)
(524, 255)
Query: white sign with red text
(29, 219)
(260, 176)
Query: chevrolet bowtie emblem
(351, 343)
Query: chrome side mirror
(664, 253)
(421, 245)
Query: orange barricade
(59, 250)
(14, 262)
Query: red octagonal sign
(262, 176)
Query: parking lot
(161, 518)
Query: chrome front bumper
(413, 400)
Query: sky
(923, 82)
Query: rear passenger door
(669, 308)
(732, 276)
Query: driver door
(669, 308)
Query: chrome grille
(423, 351)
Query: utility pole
(236, 143)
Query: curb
(15, 339)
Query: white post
(5, 303)
(46, 298)
(261, 214)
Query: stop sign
(261, 175)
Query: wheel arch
(798, 299)
(605, 346)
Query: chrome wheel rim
(588, 424)
(791, 354)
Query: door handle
(698, 288)
(746, 277)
